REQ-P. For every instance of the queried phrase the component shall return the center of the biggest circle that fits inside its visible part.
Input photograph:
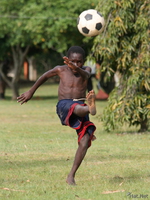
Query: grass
(37, 153)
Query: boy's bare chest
(68, 78)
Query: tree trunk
(3, 81)
(144, 126)
(18, 59)
(15, 90)
(2, 88)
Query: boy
(71, 95)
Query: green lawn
(37, 153)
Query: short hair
(76, 49)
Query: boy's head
(77, 56)
(76, 49)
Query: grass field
(37, 153)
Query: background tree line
(34, 27)
(47, 28)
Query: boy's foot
(91, 102)
(70, 181)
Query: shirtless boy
(71, 108)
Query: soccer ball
(90, 23)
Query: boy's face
(77, 59)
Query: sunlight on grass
(37, 153)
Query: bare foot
(91, 102)
(70, 180)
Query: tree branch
(26, 51)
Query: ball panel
(88, 17)
(99, 14)
(85, 30)
(98, 26)
(78, 20)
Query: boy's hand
(23, 98)
(69, 63)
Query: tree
(125, 47)
(44, 23)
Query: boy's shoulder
(61, 67)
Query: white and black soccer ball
(90, 23)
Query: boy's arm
(85, 73)
(23, 98)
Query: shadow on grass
(133, 177)
(7, 165)
(130, 175)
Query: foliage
(39, 23)
(124, 47)
(51, 24)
